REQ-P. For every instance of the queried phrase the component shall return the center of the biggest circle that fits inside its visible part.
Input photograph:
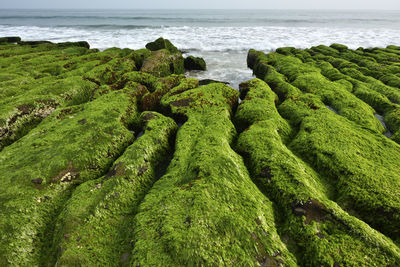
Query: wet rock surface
(194, 63)
(116, 158)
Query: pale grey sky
(205, 4)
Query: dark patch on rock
(266, 172)
(37, 181)
(312, 210)
(208, 81)
(182, 102)
(299, 211)
(118, 169)
(25, 109)
(320, 235)
(313, 106)
(188, 221)
(34, 43)
(148, 116)
(82, 121)
(142, 170)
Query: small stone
(37, 181)
(299, 211)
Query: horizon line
(191, 9)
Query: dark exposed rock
(71, 44)
(34, 43)
(195, 63)
(10, 39)
(37, 181)
(208, 81)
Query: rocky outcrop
(116, 158)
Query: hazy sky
(207, 4)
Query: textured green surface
(319, 231)
(115, 158)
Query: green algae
(96, 224)
(73, 145)
(361, 163)
(308, 79)
(371, 64)
(316, 229)
(162, 43)
(162, 63)
(205, 210)
(84, 165)
(195, 63)
(47, 75)
(381, 97)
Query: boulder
(195, 63)
(162, 43)
(11, 39)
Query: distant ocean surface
(222, 37)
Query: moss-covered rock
(39, 171)
(205, 210)
(162, 43)
(316, 229)
(359, 162)
(195, 63)
(96, 224)
(10, 39)
(92, 175)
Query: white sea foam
(212, 38)
(207, 41)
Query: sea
(221, 37)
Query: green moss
(315, 228)
(162, 63)
(195, 63)
(162, 43)
(139, 56)
(205, 210)
(368, 63)
(12, 39)
(96, 225)
(308, 78)
(39, 171)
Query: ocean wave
(110, 26)
(223, 39)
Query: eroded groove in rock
(39, 171)
(366, 62)
(310, 80)
(361, 162)
(96, 225)
(381, 97)
(206, 210)
(33, 86)
(315, 228)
